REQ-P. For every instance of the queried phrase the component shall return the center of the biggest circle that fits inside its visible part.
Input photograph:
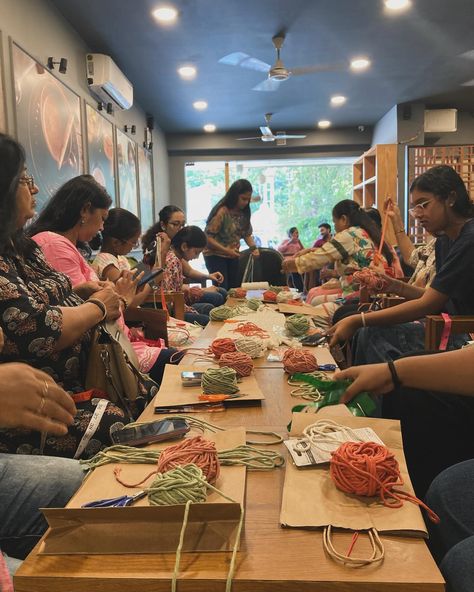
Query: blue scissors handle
(115, 502)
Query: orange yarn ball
(269, 296)
(369, 469)
(222, 346)
(195, 450)
(366, 468)
(239, 361)
(240, 293)
(299, 360)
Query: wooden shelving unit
(421, 158)
(375, 179)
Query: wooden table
(271, 559)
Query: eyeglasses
(177, 224)
(419, 208)
(29, 181)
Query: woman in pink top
(74, 215)
(288, 248)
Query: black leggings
(227, 266)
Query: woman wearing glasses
(171, 221)
(45, 323)
(441, 204)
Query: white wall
(41, 31)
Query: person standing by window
(228, 222)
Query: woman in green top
(228, 222)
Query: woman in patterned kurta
(45, 323)
(354, 246)
(227, 224)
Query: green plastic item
(361, 405)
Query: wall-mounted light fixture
(62, 62)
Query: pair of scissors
(116, 502)
(327, 367)
(217, 398)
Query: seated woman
(187, 244)
(75, 214)
(45, 323)
(443, 206)
(30, 483)
(354, 246)
(171, 220)
(289, 248)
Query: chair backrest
(267, 267)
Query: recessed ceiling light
(360, 63)
(209, 127)
(200, 105)
(165, 14)
(187, 72)
(324, 124)
(397, 4)
(337, 100)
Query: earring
(82, 221)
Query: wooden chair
(153, 321)
(435, 325)
(174, 300)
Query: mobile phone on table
(191, 378)
(314, 339)
(155, 431)
(146, 279)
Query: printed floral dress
(31, 294)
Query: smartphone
(156, 431)
(191, 378)
(146, 279)
(314, 339)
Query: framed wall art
(127, 172)
(100, 150)
(48, 120)
(147, 210)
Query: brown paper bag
(310, 498)
(141, 528)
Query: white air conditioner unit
(107, 82)
(441, 120)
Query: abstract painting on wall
(48, 118)
(146, 188)
(127, 172)
(100, 144)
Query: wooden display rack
(375, 179)
(421, 158)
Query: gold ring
(43, 398)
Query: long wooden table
(271, 559)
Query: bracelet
(397, 383)
(400, 231)
(362, 316)
(99, 304)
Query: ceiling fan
(277, 73)
(269, 136)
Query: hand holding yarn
(371, 279)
